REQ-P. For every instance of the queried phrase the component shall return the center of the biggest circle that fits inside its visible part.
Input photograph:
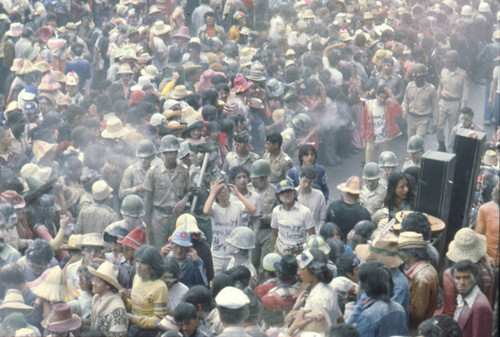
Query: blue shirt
(380, 319)
(81, 67)
(320, 182)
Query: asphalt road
(354, 165)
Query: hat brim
(39, 190)
(127, 242)
(437, 224)
(455, 254)
(16, 306)
(72, 324)
(105, 277)
(342, 187)
(239, 89)
(113, 134)
(363, 252)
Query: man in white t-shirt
(310, 197)
(226, 215)
(291, 222)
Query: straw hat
(92, 240)
(61, 319)
(14, 300)
(174, 125)
(56, 45)
(101, 190)
(409, 240)
(108, 272)
(128, 54)
(437, 224)
(52, 286)
(153, 10)
(188, 113)
(150, 71)
(190, 67)
(257, 72)
(490, 158)
(160, 28)
(114, 129)
(35, 171)
(241, 85)
(15, 30)
(25, 67)
(309, 14)
(124, 69)
(278, 114)
(179, 92)
(74, 242)
(352, 185)
(134, 239)
(467, 245)
(42, 66)
(25, 332)
(383, 248)
(15, 65)
(48, 83)
(14, 199)
(41, 149)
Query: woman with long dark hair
(399, 196)
(149, 293)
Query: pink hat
(183, 32)
(45, 33)
(134, 239)
(205, 79)
(48, 83)
(241, 85)
(56, 44)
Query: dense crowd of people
(163, 168)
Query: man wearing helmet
(387, 161)
(420, 102)
(453, 93)
(415, 149)
(132, 211)
(373, 193)
(166, 188)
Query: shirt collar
(470, 298)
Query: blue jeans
(487, 109)
(496, 110)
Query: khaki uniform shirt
(133, 176)
(95, 218)
(168, 189)
(279, 167)
(454, 85)
(408, 164)
(420, 101)
(267, 202)
(373, 200)
(232, 160)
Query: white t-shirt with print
(224, 220)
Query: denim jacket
(381, 319)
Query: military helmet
(371, 171)
(132, 206)
(242, 238)
(484, 7)
(260, 168)
(387, 159)
(415, 144)
(301, 122)
(169, 143)
(467, 11)
(451, 56)
(419, 70)
(145, 148)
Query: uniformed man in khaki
(166, 186)
(373, 193)
(261, 170)
(241, 156)
(415, 148)
(280, 162)
(98, 215)
(453, 93)
(420, 102)
(134, 175)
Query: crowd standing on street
(163, 168)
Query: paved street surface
(354, 165)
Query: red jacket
(478, 320)
(392, 110)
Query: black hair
(81, 137)
(209, 97)
(193, 100)
(77, 49)
(304, 150)
(209, 113)
(375, 279)
(212, 126)
(466, 265)
(73, 111)
(237, 170)
(468, 111)
(394, 179)
(344, 330)
(440, 326)
(219, 83)
(417, 222)
(275, 138)
(418, 253)
(365, 229)
(12, 273)
(333, 58)
(308, 172)
(319, 268)
(381, 90)
(221, 281)
(184, 312)
(337, 248)
(39, 252)
(328, 230)
(200, 295)
(345, 264)
(14, 116)
(172, 267)
(240, 274)
(152, 257)
(255, 308)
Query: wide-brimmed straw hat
(25, 67)
(101, 190)
(61, 319)
(108, 272)
(160, 28)
(490, 158)
(114, 129)
(15, 30)
(467, 245)
(74, 242)
(352, 185)
(49, 83)
(411, 240)
(179, 92)
(150, 71)
(437, 224)
(124, 69)
(35, 171)
(52, 286)
(134, 239)
(383, 248)
(14, 300)
(92, 240)
(41, 149)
